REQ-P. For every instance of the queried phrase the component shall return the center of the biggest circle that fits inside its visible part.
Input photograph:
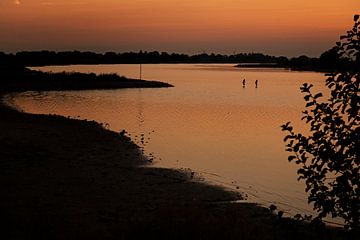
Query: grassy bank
(18, 78)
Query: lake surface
(208, 122)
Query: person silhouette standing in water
(244, 83)
(256, 83)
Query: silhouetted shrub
(329, 157)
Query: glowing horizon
(276, 27)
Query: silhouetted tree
(329, 157)
(43, 58)
(304, 62)
(331, 58)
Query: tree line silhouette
(327, 61)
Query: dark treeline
(42, 58)
(327, 61)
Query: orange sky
(280, 27)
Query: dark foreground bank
(71, 179)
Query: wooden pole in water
(140, 71)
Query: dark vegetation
(329, 60)
(329, 156)
(15, 77)
(42, 58)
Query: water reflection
(208, 122)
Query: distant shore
(280, 66)
(328, 61)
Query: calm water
(208, 122)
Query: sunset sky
(278, 27)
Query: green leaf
(309, 104)
(318, 95)
(343, 37)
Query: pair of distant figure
(244, 83)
